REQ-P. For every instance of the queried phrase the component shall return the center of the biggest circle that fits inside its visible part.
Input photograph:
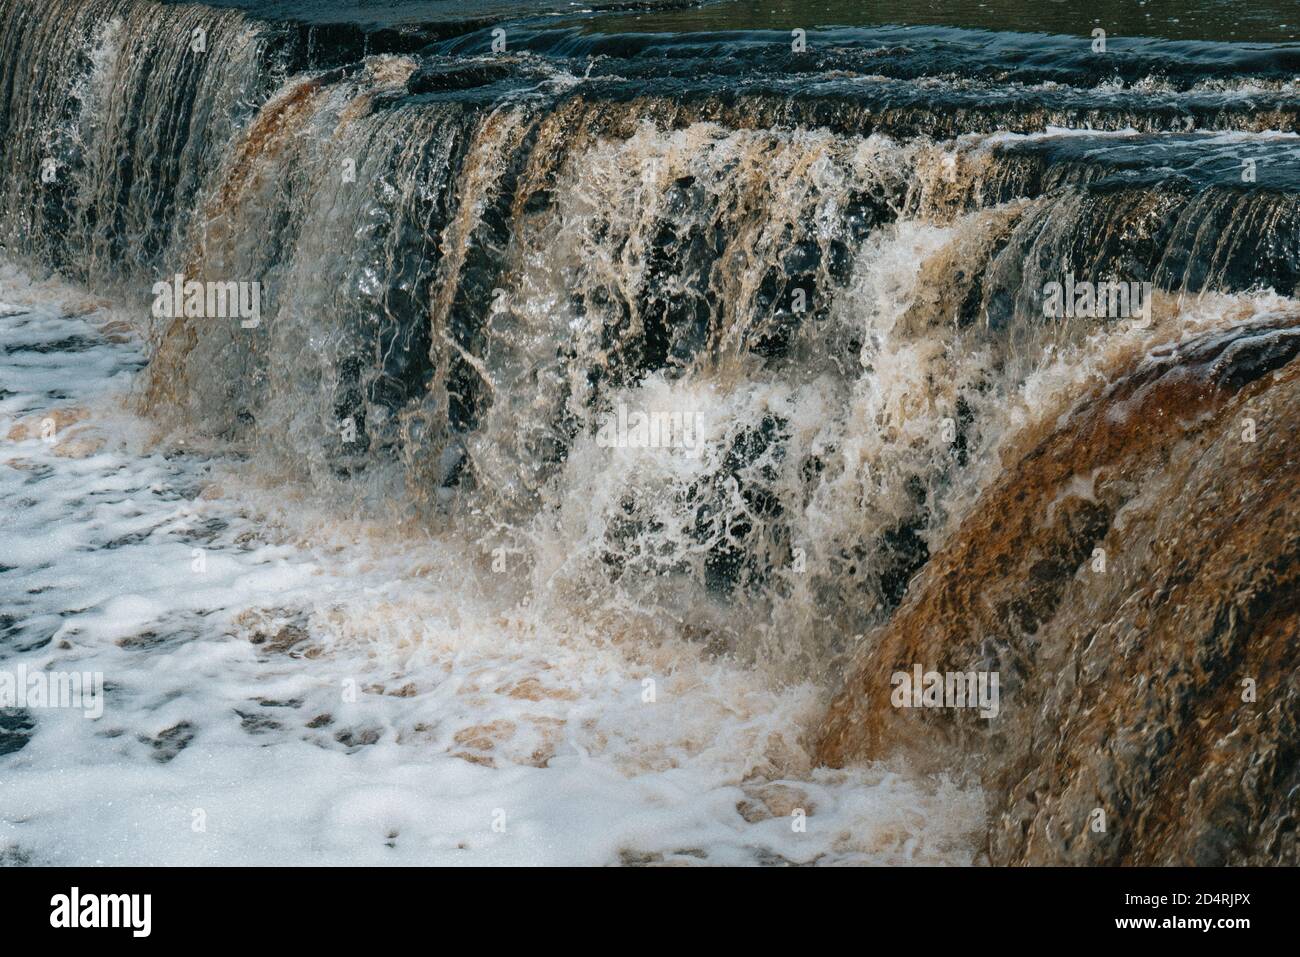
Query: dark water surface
(1223, 20)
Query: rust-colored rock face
(1133, 578)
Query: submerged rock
(1133, 578)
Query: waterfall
(744, 348)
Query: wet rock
(354, 738)
(14, 856)
(254, 723)
(16, 728)
(442, 77)
(1150, 703)
(167, 744)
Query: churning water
(623, 392)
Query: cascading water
(819, 272)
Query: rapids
(482, 237)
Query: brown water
(826, 270)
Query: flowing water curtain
(471, 262)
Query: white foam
(468, 711)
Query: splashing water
(409, 549)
